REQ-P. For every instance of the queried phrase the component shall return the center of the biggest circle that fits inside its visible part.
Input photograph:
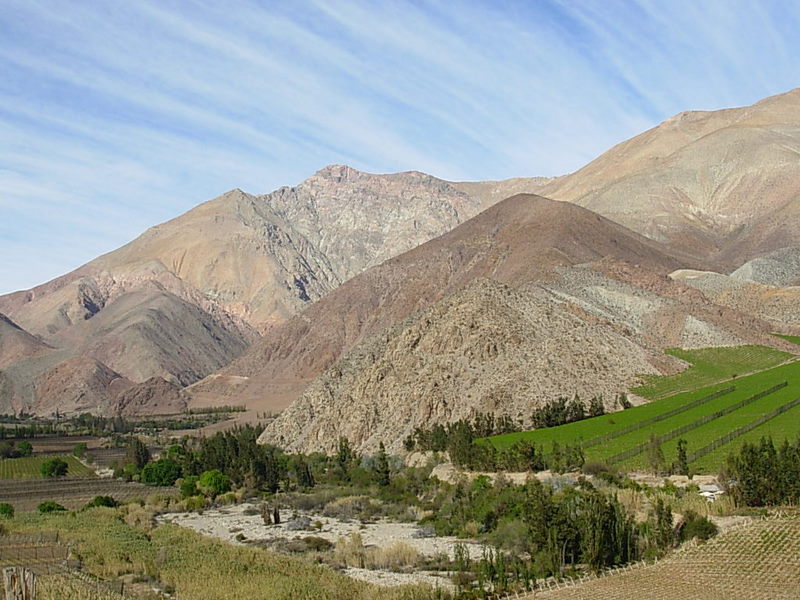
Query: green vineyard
(31, 466)
(714, 420)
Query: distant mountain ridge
(189, 295)
(188, 301)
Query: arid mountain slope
(587, 329)
(17, 344)
(516, 241)
(723, 184)
(188, 296)
(484, 348)
(154, 396)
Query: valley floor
(242, 524)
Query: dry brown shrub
(399, 554)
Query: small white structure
(711, 491)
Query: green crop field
(30, 466)
(795, 339)
(782, 426)
(710, 365)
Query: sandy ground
(228, 522)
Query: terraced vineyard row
(708, 418)
(710, 365)
(701, 417)
(26, 494)
(759, 561)
(31, 467)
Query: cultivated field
(758, 561)
(751, 405)
(710, 365)
(26, 494)
(31, 467)
(196, 567)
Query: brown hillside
(517, 241)
(721, 184)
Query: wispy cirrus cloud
(115, 116)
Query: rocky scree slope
(485, 348)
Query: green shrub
(24, 448)
(696, 526)
(54, 467)
(49, 506)
(79, 450)
(164, 471)
(213, 483)
(188, 486)
(6, 510)
(195, 503)
(317, 544)
(103, 501)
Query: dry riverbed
(234, 524)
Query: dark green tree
(682, 462)
(136, 453)
(382, 466)
(164, 471)
(344, 459)
(54, 467)
(655, 455)
(596, 407)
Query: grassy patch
(31, 467)
(710, 365)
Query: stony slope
(779, 306)
(485, 348)
(780, 268)
(154, 396)
(516, 241)
(721, 184)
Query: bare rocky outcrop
(188, 296)
(486, 348)
(517, 241)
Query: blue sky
(115, 116)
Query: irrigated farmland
(758, 561)
(26, 494)
(31, 467)
(753, 406)
(710, 365)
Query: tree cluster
(761, 474)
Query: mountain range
(366, 305)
